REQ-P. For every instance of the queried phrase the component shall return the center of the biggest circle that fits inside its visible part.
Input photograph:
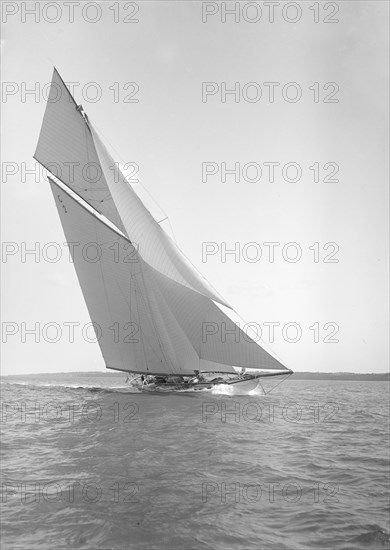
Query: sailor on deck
(197, 378)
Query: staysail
(152, 311)
(152, 242)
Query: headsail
(214, 336)
(153, 243)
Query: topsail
(66, 149)
(153, 312)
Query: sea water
(90, 464)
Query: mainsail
(152, 311)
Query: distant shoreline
(341, 376)
(385, 376)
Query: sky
(326, 295)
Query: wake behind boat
(154, 314)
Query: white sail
(172, 329)
(214, 336)
(66, 148)
(136, 332)
(70, 148)
(153, 311)
(153, 243)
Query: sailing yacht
(148, 304)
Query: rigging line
(172, 232)
(108, 197)
(83, 189)
(153, 323)
(261, 385)
(87, 127)
(154, 200)
(141, 185)
(210, 305)
(96, 226)
(96, 200)
(139, 326)
(123, 162)
(276, 385)
(160, 343)
(162, 297)
(103, 219)
(88, 158)
(225, 302)
(144, 339)
(128, 302)
(71, 190)
(79, 187)
(138, 317)
(95, 223)
(262, 341)
(145, 306)
(137, 294)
